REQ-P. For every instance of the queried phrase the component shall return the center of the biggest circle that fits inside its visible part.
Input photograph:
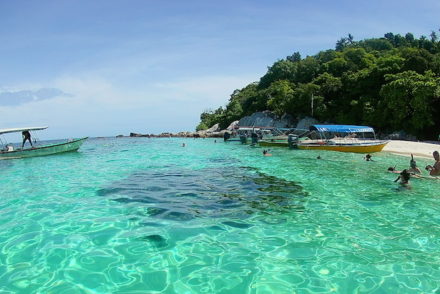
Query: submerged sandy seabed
(419, 149)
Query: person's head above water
(436, 155)
(405, 176)
(391, 168)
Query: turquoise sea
(139, 215)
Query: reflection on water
(182, 195)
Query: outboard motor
(226, 136)
(243, 139)
(254, 138)
(292, 141)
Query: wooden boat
(343, 138)
(9, 152)
(275, 141)
(279, 137)
(244, 135)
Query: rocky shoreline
(260, 119)
(180, 135)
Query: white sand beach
(419, 149)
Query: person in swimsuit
(434, 170)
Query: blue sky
(103, 68)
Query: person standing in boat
(26, 137)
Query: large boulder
(266, 119)
(214, 128)
(306, 122)
(232, 126)
(200, 134)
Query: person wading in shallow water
(26, 137)
(404, 178)
(434, 170)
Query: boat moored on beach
(342, 138)
(8, 151)
(279, 137)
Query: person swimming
(393, 169)
(368, 157)
(404, 178)
(266, 152)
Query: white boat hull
(43, 150)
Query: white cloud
(98, 107)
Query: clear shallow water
(148, 216)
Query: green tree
(280, 94)
(390, 83)
(280, 70)
(341, 44)
(233, 112)
(295, 57)
(408, 96)
(376, 44)
(307, 70)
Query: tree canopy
(390, 83)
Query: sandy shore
(419, 149)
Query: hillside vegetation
(390, 83)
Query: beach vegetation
(390, 83)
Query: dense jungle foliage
(390, 83)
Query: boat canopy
(248, 128)
(342, 128)
(17, 130)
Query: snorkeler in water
(413, 167)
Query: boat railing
(340, 140)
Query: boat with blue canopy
(13, 151)
(343, 138)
